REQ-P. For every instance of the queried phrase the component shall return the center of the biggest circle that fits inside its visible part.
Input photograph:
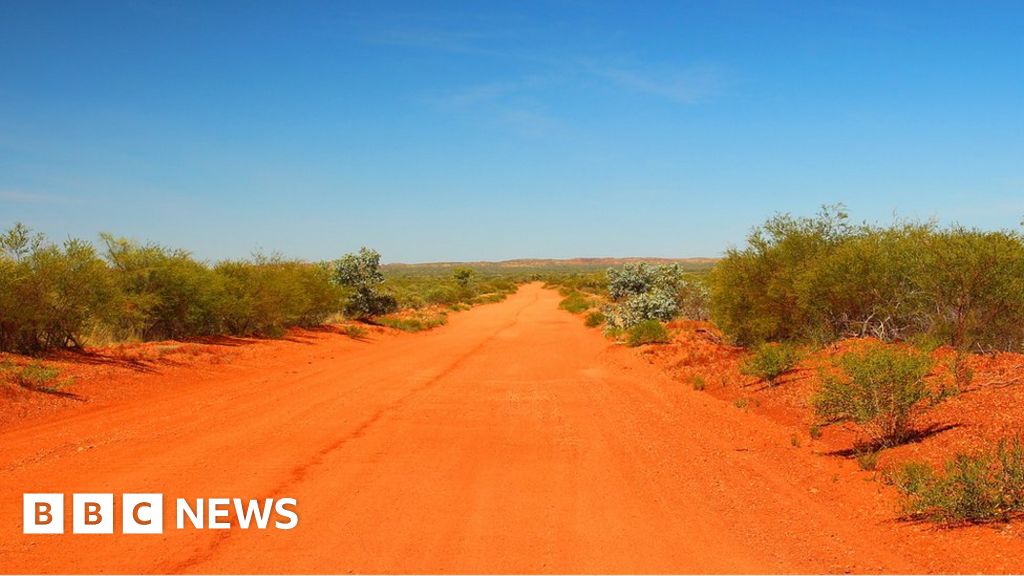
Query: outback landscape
(532, 287)
(830, 397)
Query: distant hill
(585, 263)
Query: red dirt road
(513, 439)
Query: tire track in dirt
(300, 472)
(513, 439)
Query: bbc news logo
(144, 513)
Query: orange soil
(512, 440)
(990, 408)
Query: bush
(770, 361)
(973, 488)
(269, 295)
(644, 292)
(881, 388)
(820, 279)
(34, 376)
(163, 293)
(576, 303)
(361, 274)
(646, 332)
(50, 296)
(415, 323)
(595, 319)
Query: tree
(360, 273)
(462, 277)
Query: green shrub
(413, 323)
(698, 383)
(360, 273)
(770, 361)
(575, 302)
(163, 293)
(462, 277)
(595, 319)
(354, 331)
(50, 296)
(820, 279)
(973, 487)
(268, 295)
(881, 388)
(35, 376)
(642, 292)
(646, 332)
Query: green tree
(360, 274)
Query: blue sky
(464, 131)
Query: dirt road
(513, 439)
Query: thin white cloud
(23, 197)
(532, 123)
(478, 94)
(686, 86)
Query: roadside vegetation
(881, 324)
(633, 302)
(876, 326)
(879, 388)
(823, 278)
(771, 361)
(980, 487)
(67, 295)
(34, 377)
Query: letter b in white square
(142, 514)
(42, 513)
(92, 514)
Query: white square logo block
(42, 513)
(92, 513)
(142, 514)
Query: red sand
(513, 439)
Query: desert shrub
(54, 296)
(757, 292)
(866, 285)
(34, 376)
(445, 295)
(575, 302)
(698, 382)
(694, 299)
(415, 287)
(594, 319)
(354, 331)
(770, 361)
(646, 332)
(972, 488)
(463, 276)
(163, 293)
(49, 295)
(360, 274)
(820, 278)
(643, 292)
(881, 388)
(489, 298)
(413, 323)
(974, 288)
(268, 295)
(639, 308)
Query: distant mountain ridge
(543, 262)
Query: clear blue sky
(463, 131)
